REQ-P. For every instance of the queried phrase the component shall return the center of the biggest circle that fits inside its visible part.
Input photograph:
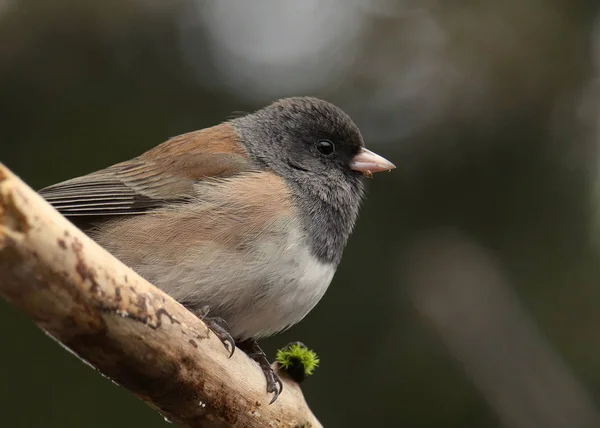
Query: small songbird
(244, 223)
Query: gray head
(320, 152)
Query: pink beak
(368, 162)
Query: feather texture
(158, 176)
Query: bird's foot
(254, 351)
(219, 327)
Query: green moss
(297, 360)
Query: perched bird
(244, 223)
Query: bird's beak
(368, 162)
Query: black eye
(325, 147)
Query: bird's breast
(260, 279)
(259, 290)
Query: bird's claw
(274, 384)
(219, 327)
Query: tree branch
(126, 328)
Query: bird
(244, 222)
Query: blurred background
(469, 295)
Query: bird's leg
(254, 351)
(219, 327)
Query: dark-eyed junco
(244, 223)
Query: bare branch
(126, 328)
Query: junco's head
(319, 151)
(300, 135)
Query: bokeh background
(469, 295)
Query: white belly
(258, 292)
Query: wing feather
(147, 182)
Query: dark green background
(504, 158)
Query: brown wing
(165, 173)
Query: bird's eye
(325, 147)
